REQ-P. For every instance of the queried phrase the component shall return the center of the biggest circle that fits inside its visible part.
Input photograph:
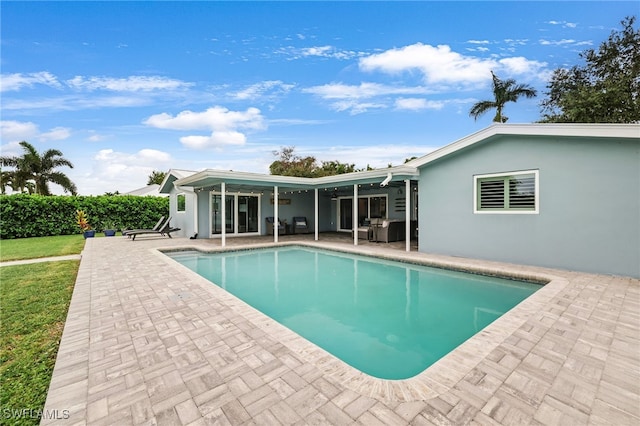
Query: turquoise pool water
(388, 319)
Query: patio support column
(223, 196)
(316, 213)
(355, 214)
(276, 222)
(407, 214)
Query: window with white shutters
(515, 192)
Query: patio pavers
(148, 342)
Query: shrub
(23, 215)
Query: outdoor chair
(165, 229)
(365, 232)
(300, 225)
(390, 230)
(155, 228)
(281, 228)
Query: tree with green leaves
(156, 177)
(291, 164)
(606, 89)
(503, 91)
(33, 170)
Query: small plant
(82, 220)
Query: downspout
(386, 181)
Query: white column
(223, 196)
(275, 214)
(355, 214)
(317, 213)
(407, 214)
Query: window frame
(505, 175)
(184, 196)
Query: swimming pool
(388, 319)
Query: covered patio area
(236, 204)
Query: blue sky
(125, 88)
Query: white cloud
(17, 131)
(362, 91)
(223, 124)
(442, 67)
(417, 104)
(215, 140)
(133, 83)
(356, 107)
(565, 24)
(317, 51)
(13, 82)
(268, 89)
(437, 64)
(121, 171)
(214, 118)
(522, 66)
(562, 42)
(478, 41)
(56, 134)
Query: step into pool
(388, 319)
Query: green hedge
(24, 215)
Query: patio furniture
(165, 229)
(300, 225)
(155, 228)
(389, 231)
(365, 231)
(281, 228)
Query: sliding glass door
(241, 214)
(368, 207)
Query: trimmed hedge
(23, 215)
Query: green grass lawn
(34, 300)
(30, 248)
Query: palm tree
(33, 169)
(503, 91)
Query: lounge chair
(281, 228)
(155, 228)
(300, 225)
(165, 229)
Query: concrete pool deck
(147, 341)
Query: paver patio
(149, 342)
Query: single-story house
(557, 195)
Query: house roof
(257, 181)
(591, 130)
(153, 190)
(245, 181)
(171, 176)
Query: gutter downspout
(386, 181)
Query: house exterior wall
(182, 220)
(589, 211)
